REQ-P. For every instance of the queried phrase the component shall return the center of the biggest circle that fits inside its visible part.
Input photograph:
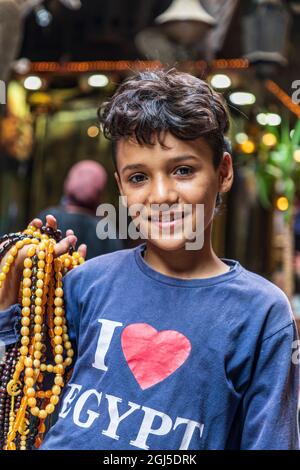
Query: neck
(184, 263)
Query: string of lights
(283, 97)
(123, 65)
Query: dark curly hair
(151, 103)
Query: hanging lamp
(185, 22)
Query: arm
(270, 405)
(11, 316)
(9, 320)
(10, 323)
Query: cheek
(134, 195)
(200, 191)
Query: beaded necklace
(25, 406)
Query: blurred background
(60, 59)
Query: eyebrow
(139, 166)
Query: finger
(69, 232)
(51, 221)
(82, 250)
(64, 245)
(36, 223)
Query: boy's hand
(10, 287)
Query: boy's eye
(184, 171)
(138, 178)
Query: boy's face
(181, 174)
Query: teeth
(166, 219)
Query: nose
(162, 191)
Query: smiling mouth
(166, 218)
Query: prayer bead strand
(24, 405)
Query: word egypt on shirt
(87, 405)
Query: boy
(176, 348)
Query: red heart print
(153, 355)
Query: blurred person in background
(83, 190)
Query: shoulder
(102, 265)
(272, 305)
(107, 260)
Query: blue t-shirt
(169, 363)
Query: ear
(117, 178)
(225, 173)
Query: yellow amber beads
(41, 296)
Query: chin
(168, 244)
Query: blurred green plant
(278, 175)
(277, 171)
